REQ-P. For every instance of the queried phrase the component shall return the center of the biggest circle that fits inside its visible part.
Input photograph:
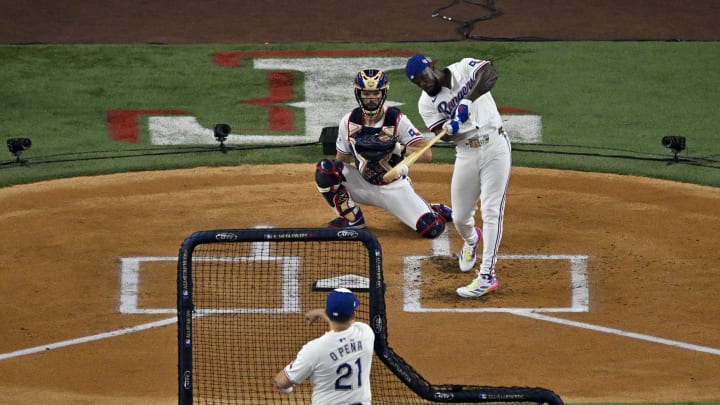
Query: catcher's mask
(371, 79)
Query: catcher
(376, 138)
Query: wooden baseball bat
(409, 160)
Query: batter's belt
(478, 141)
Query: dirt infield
(625, 268)
(649, 271)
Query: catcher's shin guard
(328, 178)
(430, 225)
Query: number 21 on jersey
(347, 375)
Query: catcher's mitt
(373, 144)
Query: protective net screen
(240, 317)
(249, 299)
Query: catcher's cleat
(443, 210)
(482, 285)
(468, 254)
(342, 223)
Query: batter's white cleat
(482, 285)
(468, 254)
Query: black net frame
(241, 295)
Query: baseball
(286, 390)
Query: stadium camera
(675, 143)
(17, 145)
(221, 132)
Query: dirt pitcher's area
(624, 268)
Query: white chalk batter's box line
(130, 284)
(441, 247)
(579, 299)
(131, 267)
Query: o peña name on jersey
(344, 350)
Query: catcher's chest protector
(373, 143)
(374, 147)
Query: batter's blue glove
(452, 126)
(462, 113)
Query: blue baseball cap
(341, 304)
(415, 65)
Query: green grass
(604, 105)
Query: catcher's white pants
(398, 198)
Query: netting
(241, 304)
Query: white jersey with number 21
(338, 364)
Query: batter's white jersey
(484, 115)
(482, 160)
(338, 365)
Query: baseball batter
(338, 363)
(457, 98)
(376, 138)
